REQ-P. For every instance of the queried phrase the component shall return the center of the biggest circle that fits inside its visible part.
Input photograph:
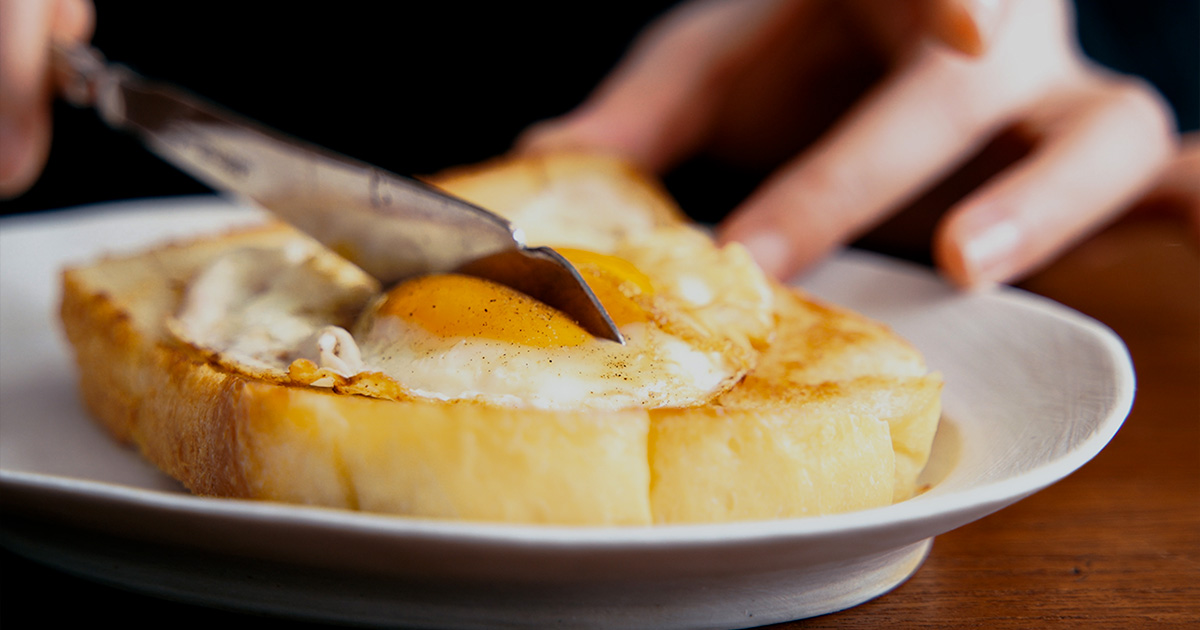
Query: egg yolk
(614, 281)
(455, 305)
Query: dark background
(417, 87)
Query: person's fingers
(24, 99)
(668, 93)
(1098, 153)
(907, 133)
(662, 99)
(26, 29)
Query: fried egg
(455, 337)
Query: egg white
(652, 369)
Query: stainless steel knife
(394, 227)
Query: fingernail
(989, 253)
(771, 251)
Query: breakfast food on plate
(259, 364)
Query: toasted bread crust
(839, 414)
(175, 409)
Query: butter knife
(391, 226)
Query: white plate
(1033, 391)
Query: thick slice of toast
(837, 414)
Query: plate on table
(1033, 391)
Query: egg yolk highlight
(455, 305)
(615, 282)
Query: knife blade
(393, 227)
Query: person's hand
(27, 27)
(888, 98)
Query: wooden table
(1116, 545)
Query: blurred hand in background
(857, 105)
(886, 99)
